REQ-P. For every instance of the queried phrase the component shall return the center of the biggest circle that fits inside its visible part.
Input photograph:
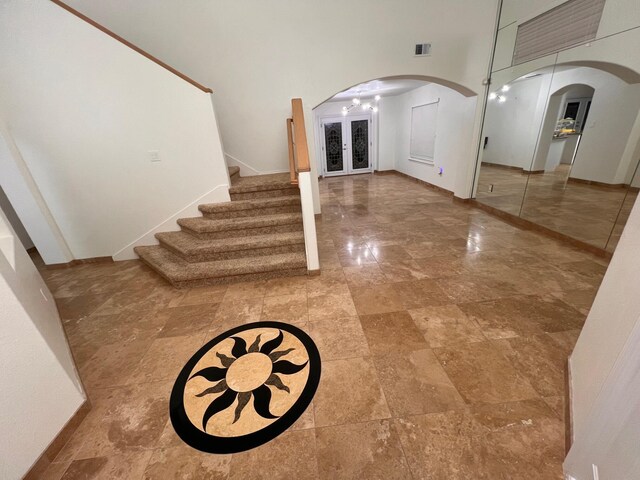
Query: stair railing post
(301, 165)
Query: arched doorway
(562, 129)
(421, 126)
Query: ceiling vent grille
(423, 49)
(572, 23)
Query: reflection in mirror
(623, 216)
(580, 173)
(560, 148)
(561, 134)
(512, 122)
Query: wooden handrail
(300, 135)
(292, 160)
(131, 45)
(300, 171)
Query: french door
(346, 145)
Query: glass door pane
(360, 144)
(333, 148)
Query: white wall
(454, 125)
(390, 109)
(513, 126)
(631, 156)
(618, 16)
(40, 387)
(542, 159)
(605, 370)
(14, 221)
(257, 55)
(27, 201)
(84, 111)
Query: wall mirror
(561, 136)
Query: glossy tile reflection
(590, 213)
(443, 333)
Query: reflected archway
(557, 146)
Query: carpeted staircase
(257, 235)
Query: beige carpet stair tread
(238, 205)
(258, 235)
(265, 179)
(204, 225)
(188, 244)
(178, 270)
(258, 183)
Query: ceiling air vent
(423, 49)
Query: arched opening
(623, 73)
(562, 130)
(559, 146)
(418, 125)
(467, 92)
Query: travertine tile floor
(590, 213)
(443, 333)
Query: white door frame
(373, 142)
(345, 146)
(350, 118)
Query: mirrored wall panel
(561, 137)
(512, 124)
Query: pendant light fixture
(357, 102)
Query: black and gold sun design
(245, 387)
(230, 380)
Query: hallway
(443, 333)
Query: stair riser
(254, 252)
(247, 232)
(253, 212)
(250, 277)
(264, 194)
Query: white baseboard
(247, 170)
(217, 195)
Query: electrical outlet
(596, 475)
(154, 155)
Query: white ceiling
(384, 88)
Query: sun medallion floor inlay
(245, 387)
(443, 333)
